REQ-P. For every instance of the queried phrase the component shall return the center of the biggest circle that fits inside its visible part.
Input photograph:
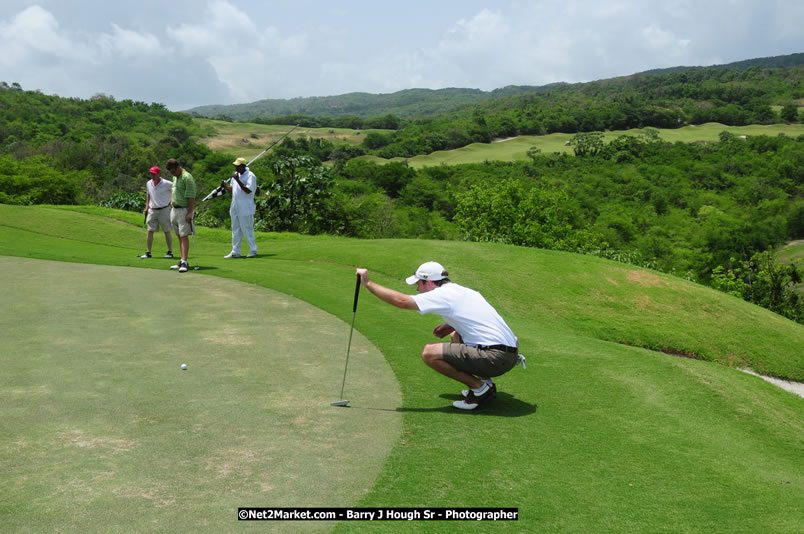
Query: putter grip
(357, 292)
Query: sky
(187, 53)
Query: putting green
(101, 431)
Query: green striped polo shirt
(183, 188)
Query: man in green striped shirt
(181, 216)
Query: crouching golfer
(482, 346)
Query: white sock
(481, 389)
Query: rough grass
(597, 435)
(248, 139)
(792, 252)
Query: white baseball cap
(427, 271)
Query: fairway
(102, 431)
(516, 148)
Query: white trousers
(243, 226)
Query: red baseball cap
(154, 170)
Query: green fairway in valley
(516, 148)
(602, 433)
(97, 414)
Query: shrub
(125, 201)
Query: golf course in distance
(607, 430)
(249, 139)
(516, 148)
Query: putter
(192, 247)
(349, 347)
(144, 232)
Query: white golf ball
(184, 367)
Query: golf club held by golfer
(344, 402)
(221, 189)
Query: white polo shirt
(242, 202)
(159, 195)
(468, 313)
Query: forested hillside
(70, 150)
(708, 212)
(731, 97)
(735, 97)
(413, 103)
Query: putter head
(196, 268)
(340, 403)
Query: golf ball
(184, 367)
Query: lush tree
(790, 113)
(35, 181)
(763, 281)
(587, 144)
(294, 200)
(509, 213)
(374, 140)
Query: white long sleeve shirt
(242, 202)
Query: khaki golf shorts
(178, 218)
(478, 362)
(157, 218)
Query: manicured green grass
(99, 414)
(597, 435)
(516, 149)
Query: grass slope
(597, 435)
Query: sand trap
(787, 385)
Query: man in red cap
(157, 210)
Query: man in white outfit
(481, 344)
(242, 186)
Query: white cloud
(128, 44)
(34, 36)
(245, 58)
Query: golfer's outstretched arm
(395, 298)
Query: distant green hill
(406, 103)
(410, 103)
(790, 60)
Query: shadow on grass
(505, 405)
